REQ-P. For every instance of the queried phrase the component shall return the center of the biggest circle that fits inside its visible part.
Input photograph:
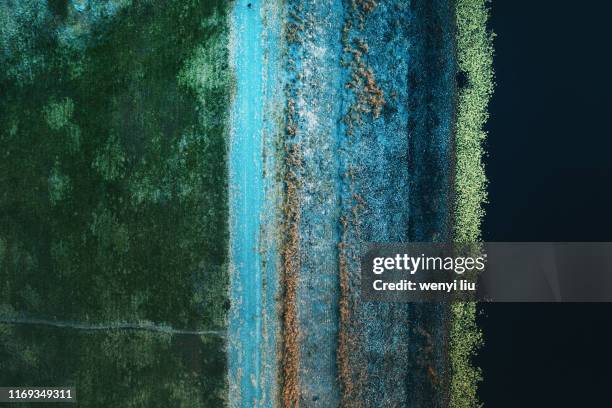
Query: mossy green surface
(115, 368)
(475, 60)
(113, 198)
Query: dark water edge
(549, 169)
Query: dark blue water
(550, 170)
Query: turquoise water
(253, 318)
(246, 188)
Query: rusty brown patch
(344, 367)
(291, 264)
(369, 97)
(291, 213)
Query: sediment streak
(92, 327)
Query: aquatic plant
(475, 55)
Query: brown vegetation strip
(291, 212)
(344, 367)
(291, 263)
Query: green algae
(113, 204)
(115, 368)
(475, 56)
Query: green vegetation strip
(475, 59)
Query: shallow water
(246, 186)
